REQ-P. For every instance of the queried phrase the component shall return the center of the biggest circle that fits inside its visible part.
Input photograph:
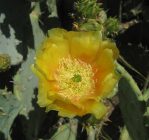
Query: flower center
(74, 78)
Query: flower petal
(99, 110)
(104, 67)
(104, 64)
(57, 33)
(49, 55)
(106, 88)
(46, 92)
(83, 45)
(111, 45)
(94, 107)
(65, 109)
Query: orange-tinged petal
(65, 109)
(83, 45)
(104, 67)
(98, 109)
(104, 64)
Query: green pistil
(77, 78)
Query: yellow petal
(49, 55)
(99, 110)
(94, 107)
(57, 33)
(111, 45)
(65, 109)
(39, 74)
(107, 86)
(83, 45)
(46, 92)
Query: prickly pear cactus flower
(76, 72)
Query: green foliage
(112, 26)
(146, 114)
(146, 96)
(124, 134)
(131, 110)
(52, 8)
(93, 18)
(10, 107)
(91, 25)
(25, 81)
(121, 70)
(88, 8)
(8, 45)
(25, 84)
(67, 131)
(37, 31)
(131, 106)
(91, 133)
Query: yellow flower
(76, 71)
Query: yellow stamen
(75, 78)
